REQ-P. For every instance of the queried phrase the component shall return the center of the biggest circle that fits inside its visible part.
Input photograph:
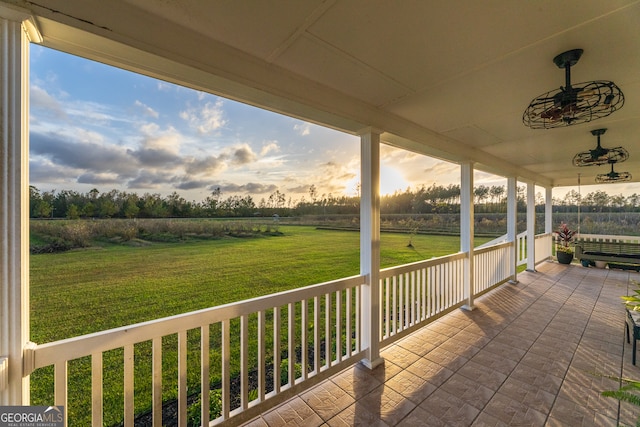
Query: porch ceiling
(449, 79)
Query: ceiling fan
(613, 176)
(600, 155)
(573, 104)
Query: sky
(96, 126)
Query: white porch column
(370, 244)
(548, 210)
(512, 225)
(531, 226)
(15, 33)
(467, 230)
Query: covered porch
(457, 339)
(531, 354)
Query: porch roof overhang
(445, 79)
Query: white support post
(467, 230)
(16, 30)
(370, 244)
(512, 225)
(531, 226)
(548, 210)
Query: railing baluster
(304, 338)
(450, 285)
(226, 374)
(394, 311)
(182, 379)
(327, 331)
(262, 386)
(438, 288)
(387, 314)
(291, 351)
(204, 375)
(276, 349)
(444, 279)
(338, 326)
(423, 288)
(460, 275)
(60, 393)
(429, 291)
(96, 389)
(316, 335)
(381, 308)
(406, 308)
(348, 326)
(244, 362)
(400, 303)
(446, 286)
(156, 373)
(358, 325)
(414, 307)
(128, 385)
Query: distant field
(97, 288)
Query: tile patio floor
(528, 355)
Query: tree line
(424, 200)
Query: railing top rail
(405, 268)
(495, 241)
(84, 345)
(607, 237)
(492, 248)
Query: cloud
(303, 129)
(39, 98)
(206, 119)
(243, 155)
(269, 148)
(41, 170)
(156, 157)
(441, 169)
(156, 138)
(98, 178)
(158, 148)
(148, 111)
(248, 188)
(81, 154)
(193, 184)
(303, 188)
(163, 86)
(94, 113)
(210, 164)
(150, 179)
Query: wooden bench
(633, 323)
(608, 251)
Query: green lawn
(83, 291)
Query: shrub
(194, 413)
(284, 371)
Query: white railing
(412, 294)
(608, 238)
(543, 246)
(323, 319)
(492, 266)
(521, 248)
(263, 338)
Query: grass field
(83, 291)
